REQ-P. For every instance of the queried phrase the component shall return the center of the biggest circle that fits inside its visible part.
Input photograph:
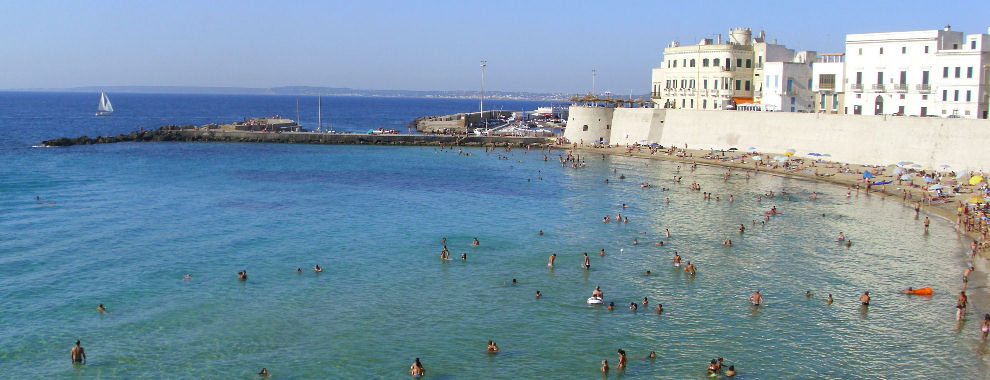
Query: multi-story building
(828, 77)
(921, 73)
(720, 75)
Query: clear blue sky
(540, 46)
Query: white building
(787, 87)
(920, 73)
(828, 76)
(721, 75)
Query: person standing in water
(865, 299)
(985, 328)
(416, 369)
(677, 260)
(961, 303)
(587, 261)
(77, 353)
(756, 298)
(622, 358)
(476, 242)
(927, 222)
(551, 259)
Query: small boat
(105, 108)
(595, 301)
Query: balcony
(724, 92)
(655, 95)
(857, 87)
(923, 88)
(877, 88)
(901, 88)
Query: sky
(535, 46)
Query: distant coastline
(310, 91)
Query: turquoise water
(131, 219)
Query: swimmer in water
(807, 294)
(476, 242)
(645, 301)
(77, 353)
(622, 359)
(677, 260)
(597, 293)
(604, 366)
(416, 369)
(514, 282)
(652, 355)
(756, 298)
(242, 275)
(713, 367)
(602, 252)
(492, 347)
(742, 228)
(463, 256)
(690, 269)
(443, 241)
(587, 261)
(841, 237)
(611, 306)
(659, 308)
(829, 299)
(633, 306)
(541, 233)
(668, 232)
(538, 294)
(264, 372)
(731, 371)
(102, 309)
(317, 269)
(187, 277)
(865, 299)
(551, 259)
(659, 243)
(635, 241)
(648, 272)
(849, 243)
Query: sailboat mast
(319, 112)
(297, 113)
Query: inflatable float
(595, 301)
(919, 292)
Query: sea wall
(296, 138)
(865, 139)
(588, 124)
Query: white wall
(632, 125)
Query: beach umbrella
(902, 163)
(780, 158)
(752, 148)
(654, 144)
(733, 149)
(916, 166)
(867, 174)
(906, 177)
(898, 171)
(944, 166)
(815, 154)
(962, 174)
(757, 158)
(928, 179)
(881, 182)
(975, 179)
(790, 150)
(936, 187)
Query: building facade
(827, 79)
(918, 73)
(719, 75)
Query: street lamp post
(485, 121)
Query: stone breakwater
(164, 134)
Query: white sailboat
(105, 108)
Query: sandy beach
(849, 176)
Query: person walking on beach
(77, 353)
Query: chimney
(948, 27)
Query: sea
(123, 224)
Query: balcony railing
(923, 88)
(858, 87)
(902, 88)
(877, 88)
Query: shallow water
(131, 219)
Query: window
(790, 85)
(749, 63)
(924, 97)
(880, 78)
(821, 103)
(860, 51)
(792, 109)
(809, 84)
(955, 97)
(684, 62)
(968, 93)
(704, 84)
(759, 61)
(747, 86)
(792, 100)
(955, 46)
(692, 63)
(903, 49)
(835, 102)
(881, 51)
(738, 62)
(900, 110)
(945, 72)
(902, 96)
(738, 85)
(924, 110)
(926, 49)
(675, 64)
(958, 71)
(704, 104)
(969, 72)
(683, 103)
(692, 84)
(715, 62)
(924, 77)
(903, 77)
(704, 62)
(692, 103)
(972, 44)
(859, 77)
(585, 127)
(945, 95)
(826, 81)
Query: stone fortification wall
(637, 125)
(588, 124)
(865, 139)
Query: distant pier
(165, 134)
